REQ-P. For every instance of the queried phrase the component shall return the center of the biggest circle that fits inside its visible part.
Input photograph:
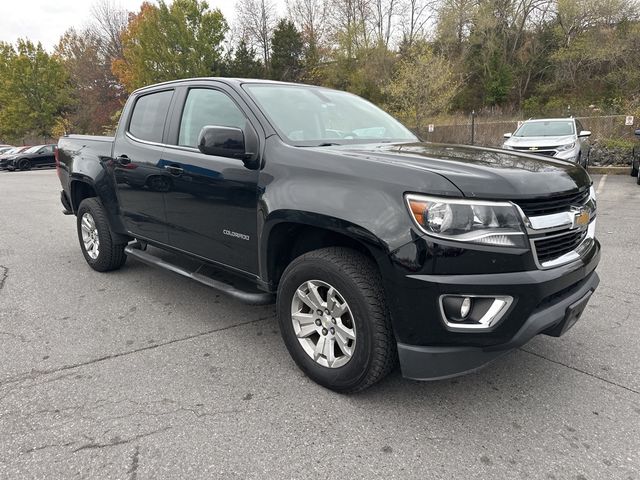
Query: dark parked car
(4, 158)
(376, 247)
(38, 156)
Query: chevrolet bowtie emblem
(581, 217)
(533, 148)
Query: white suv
(563, 138)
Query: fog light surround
(473, 313)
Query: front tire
(334, 319)
(96, 242)
(24, 164)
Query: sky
(46, 20)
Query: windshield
(309, 116)
(552, 128)
(33, 149)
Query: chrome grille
(535, 149)
(557, 204)
(550, 247)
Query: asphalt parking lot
(141, 374)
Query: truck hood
(540, 141)
(478, 172)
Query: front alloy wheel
(323, 323)
(334, 319)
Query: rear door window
(149, 116)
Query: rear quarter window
(149, 116)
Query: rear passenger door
(212, 203)
(139, 173)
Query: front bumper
(434, 363)
(428, 350)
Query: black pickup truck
(376, 247)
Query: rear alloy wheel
(97, 244)
(334, 319)
(90, 236)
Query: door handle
(123, 160)
(174, 170)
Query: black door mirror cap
(637, 132)
(222, 141)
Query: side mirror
(507, 135)
(584, 133)
(222, 142)
(637, 132)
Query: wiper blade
(327, 144)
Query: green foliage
(616, 143)
(34, 90)
(422, 86)
(171, 41)
(244, 63)
(286, 52)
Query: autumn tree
(34, 90)
(98, 95)
(171, 41)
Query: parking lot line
(601, 184)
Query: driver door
(211, 206)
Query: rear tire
(96, 242)
(357, 290)
(635, 160)
(638, 177)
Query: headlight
(568, 146)
(471, 221)
(507, 147)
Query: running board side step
(250, 298)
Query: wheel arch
(288, 234)
(82, 188)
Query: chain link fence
(611, 138)
(489, 133)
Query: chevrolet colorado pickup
(377, 248)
